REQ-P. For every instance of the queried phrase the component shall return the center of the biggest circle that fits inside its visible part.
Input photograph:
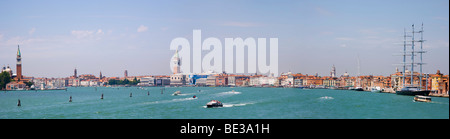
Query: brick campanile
(19, 64)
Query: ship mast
(421, 60)
(412, 54)
(412, 57)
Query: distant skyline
(112, 36)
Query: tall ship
(413, 88)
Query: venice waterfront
(242, 103)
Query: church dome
(8, 69)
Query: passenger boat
(422, 98)
(214, 103)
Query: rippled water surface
(242, 103)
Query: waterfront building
(192, 78)
(439, 83)
(329, 81)
(231, 80)
(314, 81)
(125, 74)
(147, 81)
(241, 80)
(397, 80)
(287, 79)
(15, 86)
(200, 82)
(377, 81)
(299, 80)
(162, 80)
(177, 79)
(255, 80)
(211, 80)
(221, 79)
(364, 82)
(268, 81)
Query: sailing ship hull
(413, 92)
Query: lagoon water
(243, 103)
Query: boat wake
(183, 99)
(169, 101)
(228, 105)
(228, 93)
(236, 105)
(326, 98)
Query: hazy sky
(111, 36)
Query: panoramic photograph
(224, 59)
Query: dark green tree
(5, 78)
(29, 83)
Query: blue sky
(111, 36)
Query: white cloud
(142, 28)
(32, 31)
(82, 33)
(100, 32)
(91, 34)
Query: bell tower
(176, 62)
(19, 64)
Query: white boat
(176, 93)
(376, 89)
(214, 103)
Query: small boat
(176, 93)
(422, 98)
(214, 103)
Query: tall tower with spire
(75, 73)
(19, 64)
(176, 63)
(333, 71)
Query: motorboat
(176, 93)
(214, 103)
(422, 98)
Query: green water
(243, 103)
